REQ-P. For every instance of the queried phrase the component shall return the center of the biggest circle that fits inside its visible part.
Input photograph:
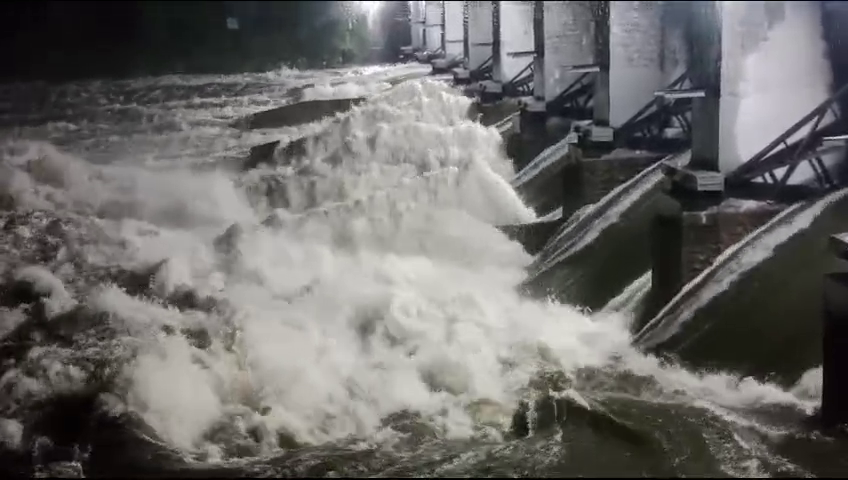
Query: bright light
(369, 7)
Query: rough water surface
(354, 312)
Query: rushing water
(159, 317)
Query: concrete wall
(433, 27)
(516, 28)
(774, 71)
(479, 31)
(454, 21)
(417, 16)
(707, 234)
(569, 40)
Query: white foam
(361, 305)
(345, 90)
(11, 433)
(58, 299)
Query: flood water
(159, 317)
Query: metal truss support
(816, 143)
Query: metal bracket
(694, 180)
(677, 94)
(589, 68)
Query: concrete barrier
(297, 113)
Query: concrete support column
(444, 26)
(424, 45)
(496, 40)
(539, 47)
(601, 98)
(704, 45)
(466, 46)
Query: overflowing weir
(627, 68)
(596, 254)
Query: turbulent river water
(160, 317)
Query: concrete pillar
(539, 47)
(466, 37)
(434, 28)
(704, 48)
(496, 39)
(700, 184)
(834, 406)
(601, 98)
(417, 25)
(444, 26)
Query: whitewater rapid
(384, 286)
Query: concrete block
(297, 113)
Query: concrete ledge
(490, 114)
(695, 180)
(461, 76)
(490, 91)
(443, 65)
(297, 113)
(532, 236)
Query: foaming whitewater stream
(158, 318)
